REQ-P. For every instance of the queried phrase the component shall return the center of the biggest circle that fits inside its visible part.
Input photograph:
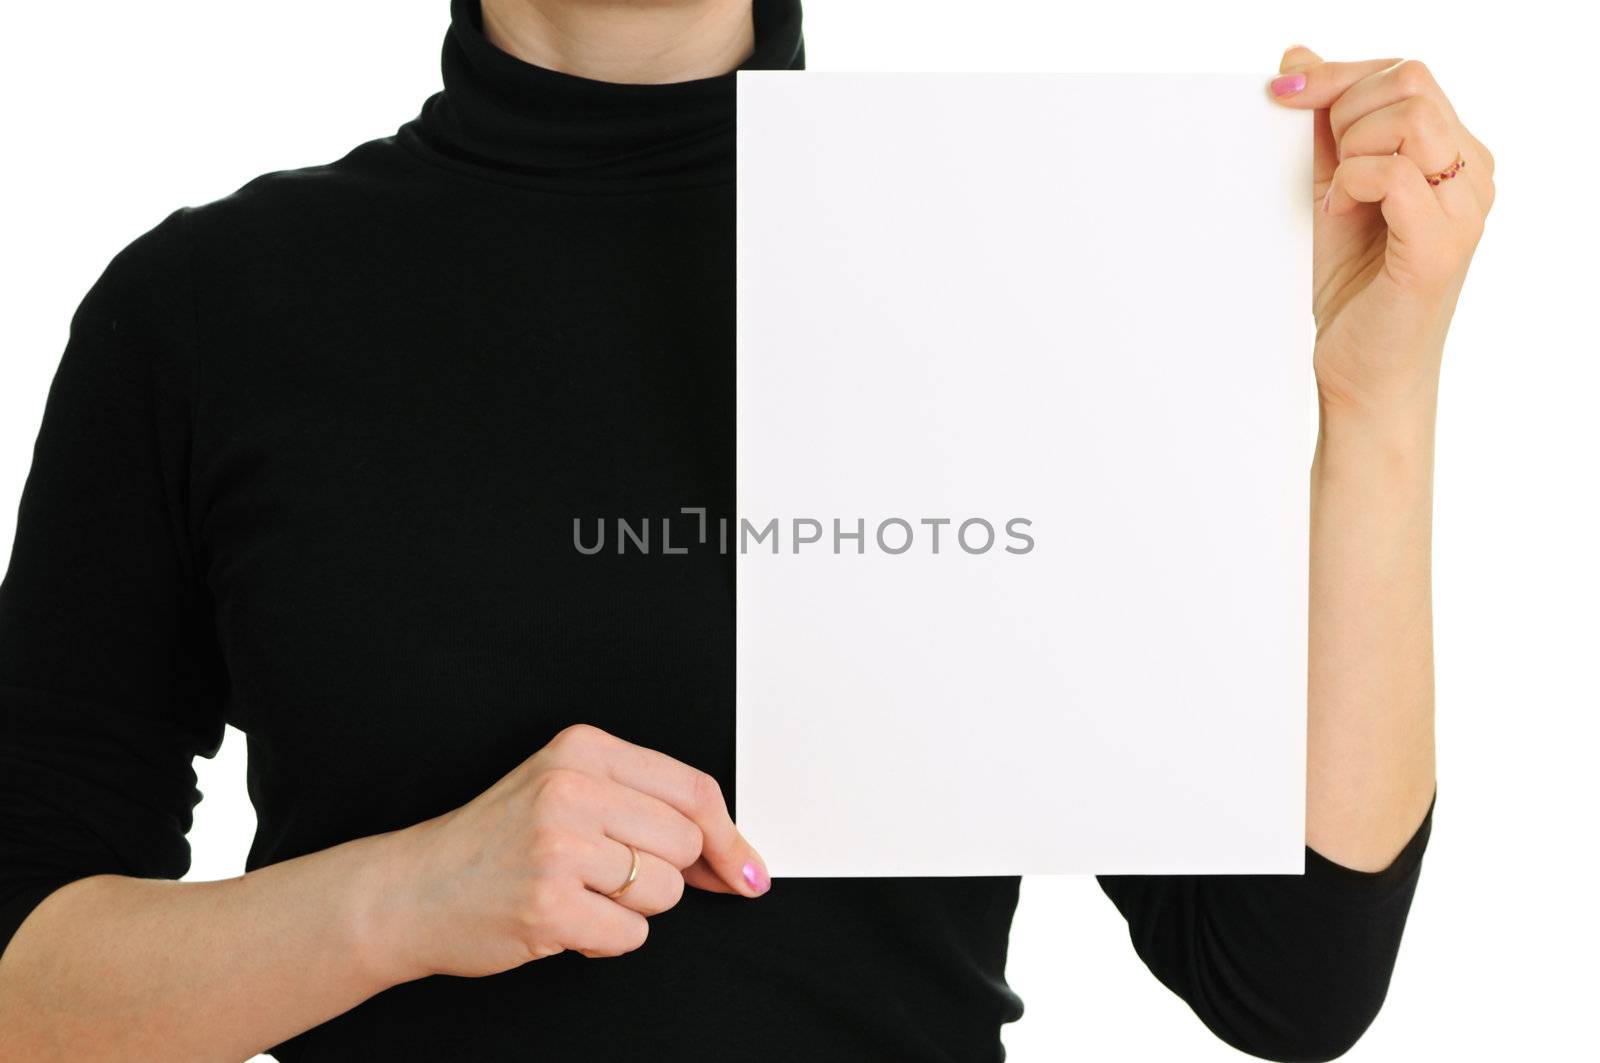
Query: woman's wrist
(379, 909)
(1395, 434)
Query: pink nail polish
(1288, 84)
(756, 875)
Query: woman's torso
(413, 381)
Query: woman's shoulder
(245, 260)
(316, 200)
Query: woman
(309, 466)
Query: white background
(115, 113)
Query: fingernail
(1326, 196)
(1288, 84)
(756, 875)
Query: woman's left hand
(1398, 222)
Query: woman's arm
(1370, 756)
(1405, 189)
(112, 967)
(112, 681)
(1296, 967)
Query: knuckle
(533, 942)
(637, 933)
(577, 738)
(561, 787)
(664, 895)
(1424, 115)
(552, 845)
(694, 841)
(539, 949)
(1413, 76)
(674, 890)
(535, 924)
(704, 793)
(631, 935)
(543, 901)
(1482, 157)
(687, 846)
(1339, 120)
(1396, 170)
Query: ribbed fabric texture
(508, 120)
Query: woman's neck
(649, 43)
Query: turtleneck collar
(509, 120)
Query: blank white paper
(1078, 301)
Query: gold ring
(1449, 171)
(633, 873)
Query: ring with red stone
(1449, 171)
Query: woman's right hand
(521, 872)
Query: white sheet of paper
(1082, 301)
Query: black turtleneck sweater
(310, 466)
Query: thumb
(701, 876)
(742, 872)
(1305, 81)
(1297, 57)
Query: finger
(701, 877)
(1415, 128)
(645, 822)
(1482, 176)
(1484, 157)
(1306, 80)
(1420, 237)
(1296, 59)
(1411, 80)
(1402, 81)
(1394, 182)
(578, 804)
(1316, 85)
(1418, 130)
(698, 796)
(656, 886)
(596, 926)
(687, 789)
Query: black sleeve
(1285, 967)
(110, 681)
